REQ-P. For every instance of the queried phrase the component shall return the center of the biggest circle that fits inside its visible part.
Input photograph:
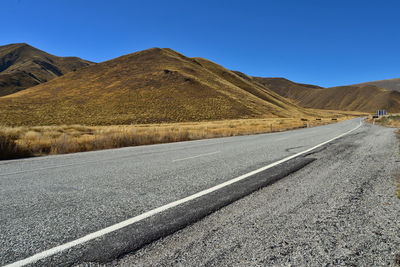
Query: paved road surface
(340, 210)
(46, 202)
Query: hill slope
(151, 86)
(23, 66)
(389, 84)
(367, 98)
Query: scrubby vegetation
(388, 121)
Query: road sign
(381, 112)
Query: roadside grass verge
(392, 121)
(25, 141)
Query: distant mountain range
(366, 98)
(23, 66)
(158, 85)
(390, 84)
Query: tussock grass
(44, 140)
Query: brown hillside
(287, 88)
(23, 66)
(389, 84)
(349, 98)
(366, 99)
(151, 86)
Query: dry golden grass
(44, 140)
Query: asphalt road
(339, 210)
(49, 201)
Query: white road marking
(201, 155)
(115, 227)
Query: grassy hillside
(23, 66)
(150, 86)
(368, 98)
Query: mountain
(389, 84)
(151, 86)
(23, 66)
(364, 99)
(367, 98)
(287, 88)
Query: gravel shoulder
(341, 209)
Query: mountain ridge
(389, 84)
(367, 98)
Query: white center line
(201, 155)
(47, 253)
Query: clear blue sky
(324, 42)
